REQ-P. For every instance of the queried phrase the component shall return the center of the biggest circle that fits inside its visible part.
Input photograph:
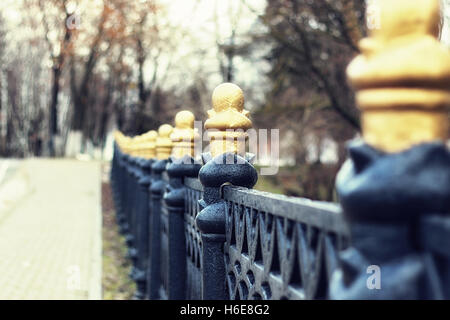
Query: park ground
(116, 282)
(50, 230)
(52, 244)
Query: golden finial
(118, 137)
(148, 145)
(135, 148)
(228, 114)
(163, 142)
(403, 77)
(183, 135)
(126, 144)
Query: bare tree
(109, 28)
(3, 111)
(148, 50)
(59, 52)
(26, 89)
(314, 41)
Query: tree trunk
(53, 124)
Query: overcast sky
(198, 19)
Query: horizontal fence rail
(279, 247)
(275, 247)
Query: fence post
(400, 175)
(146, 152)
(163, 150)
(115, 176)
(134, 204)
(127, 162)
(181, 164)
(227, 163)
(113, 171)
(122, 180)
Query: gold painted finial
(163, 142)
(148, 145)
(402, 77)
(228, 114)
(135, 146)
(183, 135)
(119, 138)
(125, 144)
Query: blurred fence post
(133, 205)
(127, 193)
(115, 177)
(121, 180)
(181, 164)
(227, 163)
(395, 188)
(146, 152)
(163, 150)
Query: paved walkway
(50, 230)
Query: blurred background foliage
(73, 71)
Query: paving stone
(50, 231)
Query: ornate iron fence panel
(280, 247)
(194, 192)
(434, 233)
(164, 229)
(154, 265)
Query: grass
(268, 184)
(285, 182)
(116, 283)
(312, 181)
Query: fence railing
(267, 247)
(271, 246)
(196, 230)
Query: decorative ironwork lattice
(279, 247)
(164, 224)
(194, 192)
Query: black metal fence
(279, 247)
(200, 232)
(191, 236)
(269, 246)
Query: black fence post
(122, 209)
(395, 188)
(223, 165)
(174, 201)
(115, 179)
(387, 199)
(147, 153)
(126, 199)
(131, 238)
(163, 149)
(180, 165)
(144, 183)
